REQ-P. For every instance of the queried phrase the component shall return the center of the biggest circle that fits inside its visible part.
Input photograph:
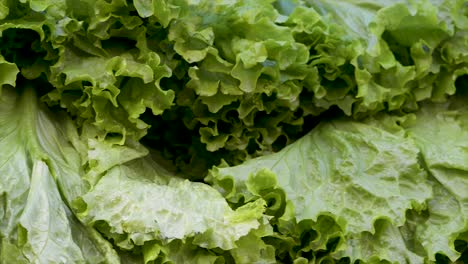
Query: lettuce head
(247, 131)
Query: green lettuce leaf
(52, 175)
(8, 73)
(311, 56)
(342, 167)
(41, 177)
(140, 201)
(352, 172)
(145, 96)
(116, 90)
(178, 252)
(440, 132)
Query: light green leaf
(115, 91)
(8, 72)
(386, 243)
(349, 160)
(357, 174)
(440, 131)
(41, 178)
(139, 201)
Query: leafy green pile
(249, 131)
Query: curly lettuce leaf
(115, 90)
(8, 73)
(309, 57)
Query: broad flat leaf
(352, 171)
(362, 176)
(441, 132)
(40, 178)
(139, 201)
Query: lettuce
(249, 131)
(41, 178)
(382, 184)
(52, 215)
